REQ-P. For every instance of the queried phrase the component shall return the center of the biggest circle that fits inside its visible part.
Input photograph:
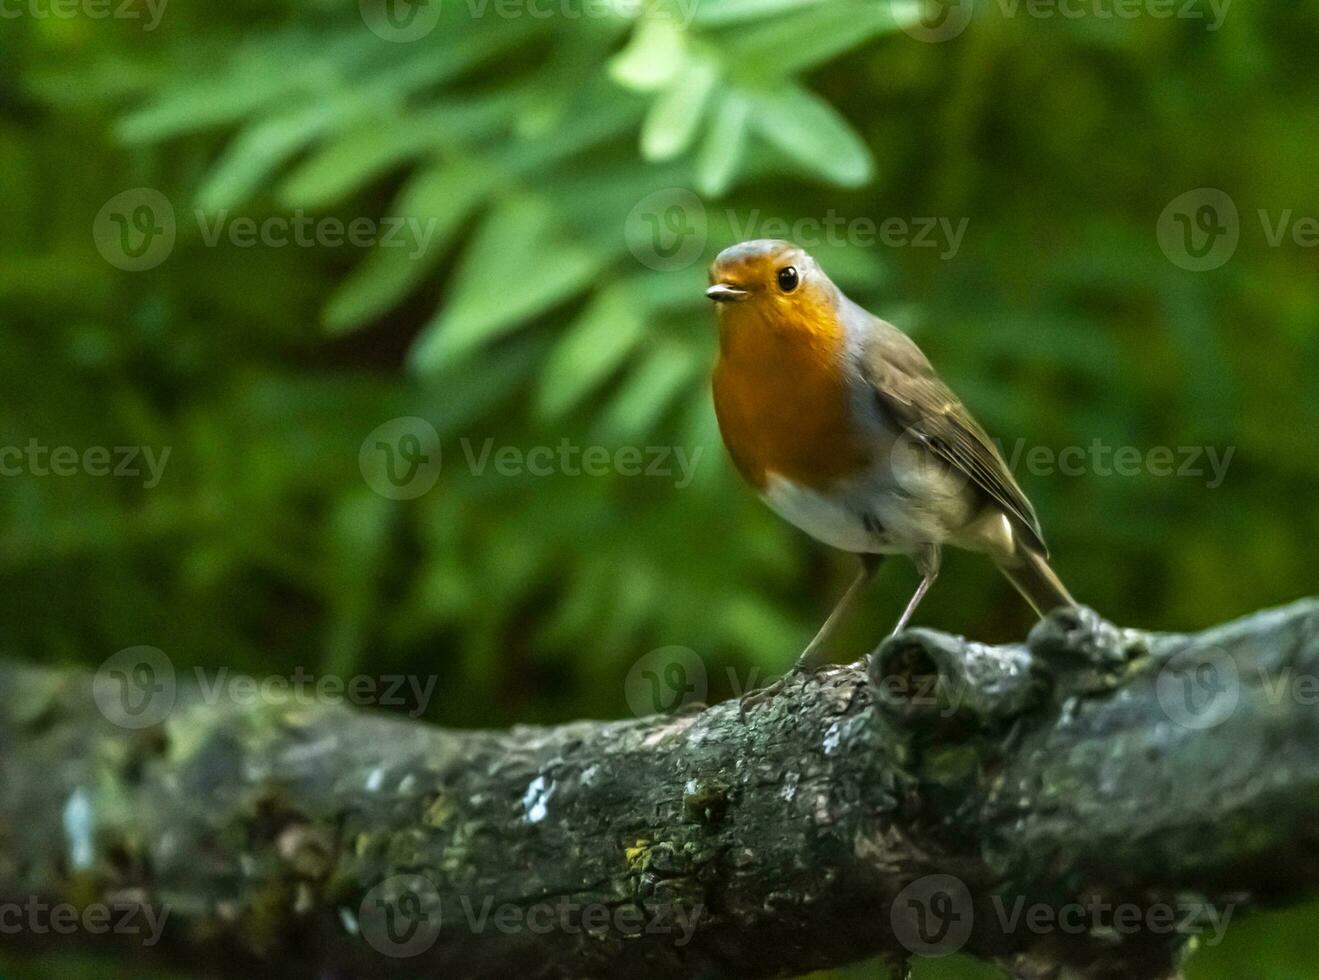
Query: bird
(837, 420)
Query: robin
(839, 422)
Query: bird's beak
(722, 292)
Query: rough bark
(911, 804)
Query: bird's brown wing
(912, 396)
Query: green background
(542, 309)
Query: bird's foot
(803, 670)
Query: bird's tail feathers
(1030, 573)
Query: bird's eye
(788, 278)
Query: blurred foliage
(527, 144)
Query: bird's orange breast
(783, 401)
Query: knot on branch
(1084, 652)
(1072, 635)
(924, 679)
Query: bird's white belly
(824, 516)
(871, 515)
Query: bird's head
(772, 281)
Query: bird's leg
(812, 657)
(927, 563)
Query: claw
(759, 696)
(770, 691)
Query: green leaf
(439, 200)
(724, 145)
(598, 115)
(200, 107)
(352, 160)
(673, 118)
(811, 131)
(574, 62)
(652, 387)
(348, 161)
(792, 44)
(259, 150)
(590, 350)
(737, 11)
(519, 263)
(653, 56)
(283, 69)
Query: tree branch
(1045, 804)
